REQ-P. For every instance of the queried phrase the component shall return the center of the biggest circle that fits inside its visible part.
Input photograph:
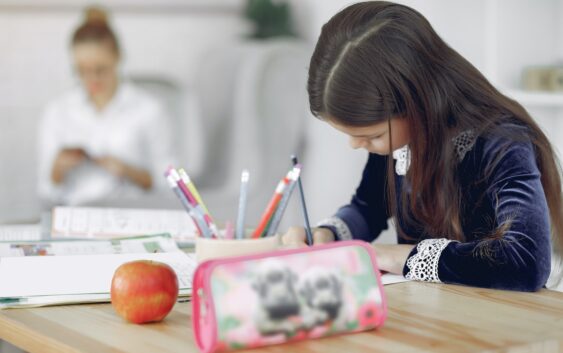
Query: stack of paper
(48, 280)
(17, 232)
(141, 244)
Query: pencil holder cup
(212, 248)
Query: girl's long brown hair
(378, 60)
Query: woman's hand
(66, 160)
(295, 236)
(392, 257)
(112, 165)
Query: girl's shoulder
(508, 144)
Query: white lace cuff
(342, 230)
(423, 266)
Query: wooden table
(423, 317)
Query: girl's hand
(295, 236)
(391, 257)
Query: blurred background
(231, 77)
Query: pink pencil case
(287, 295)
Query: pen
(242, 204)
(303, 205)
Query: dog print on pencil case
(297, 296)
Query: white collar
(463, 143)
(403, 157)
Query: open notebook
(47, 280)
(107, 223)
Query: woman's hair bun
(95, 15)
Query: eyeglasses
(98, 72)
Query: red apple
(144, 291)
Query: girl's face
(375, 138)
(96, 65)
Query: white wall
(497, 36)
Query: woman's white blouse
(133, 128)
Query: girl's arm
(520, 259)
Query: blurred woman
(105, 138)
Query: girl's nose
(356, 142)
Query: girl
(472, 182)
(105, 138)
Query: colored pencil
(276, 219)
(245, 176)
(271, 208)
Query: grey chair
(253, 105)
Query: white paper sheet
(389, 278)
(70, 275)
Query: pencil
(242, 204)
(276, 218)
(199, 223)
(271, 208)
(191, 186)
(207, 231)
(197, 200)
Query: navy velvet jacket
(520, 260)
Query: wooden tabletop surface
(422, 317)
